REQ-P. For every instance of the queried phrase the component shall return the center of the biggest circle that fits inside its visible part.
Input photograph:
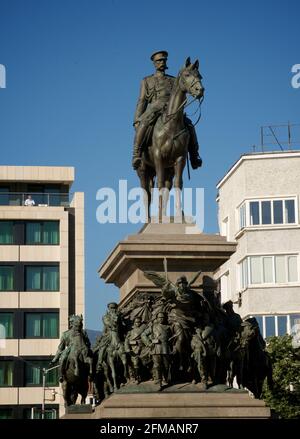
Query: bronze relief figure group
(177, 336)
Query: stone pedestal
(187, 251)
(206, 405)
(170, 404)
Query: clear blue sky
(73, 74)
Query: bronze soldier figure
(134, 346)
(154, 95)
(157, 337)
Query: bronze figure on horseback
(164, 135)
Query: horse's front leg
(110, 360)
(178, 183)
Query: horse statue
(166, 155)
(116, 352)
(259, 362)
(77, 364)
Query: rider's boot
(139, 137)
(196, 161)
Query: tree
(284, 399)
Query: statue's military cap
(161, 54)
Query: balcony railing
(40, 199)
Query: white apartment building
(258, 206)
(41, 282)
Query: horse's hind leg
(125, 366)
(145, 182)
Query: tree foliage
(284, 399)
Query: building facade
(258, 207)
(41, 282)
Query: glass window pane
(6, 232)
(42, 278)
(33, 233)
(5, 413)
(6, 278)
(244, 273)
(270, 326)
(278, 212)
(266, 212)
(48, 413)
(255, 266)
(282, 325)
(280, 274)
(50, 278)
(51, 232)
(50, 325)
(289, 211)
(4, 196)
(34, 373)
(292, 269)
(295, 320)
(6, 324)
(242, 216)
(268, 269)
(6, 373)
(254, 212)
(32, 325)
(33, 276)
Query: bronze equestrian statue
(75, 358)
(164, 135)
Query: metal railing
(39, 199)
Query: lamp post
(45, 371)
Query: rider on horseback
(154, 95)
(64, 347)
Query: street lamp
(45, 371)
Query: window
(255, 270)
(276, 325)
(6, 413)
(34, 373)
(6, 278)
(49, 413)
(6, 324)
(42, 278)
(254, 213)
(294, 320)
(45, 232)
(270, 326)
(6, 232)
(41, 325)
(282, 325)
(4, 196)
(244, 273)
(6, 373)
(267, 212)
(279, 269)
(243, 216)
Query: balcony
(40, 199)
